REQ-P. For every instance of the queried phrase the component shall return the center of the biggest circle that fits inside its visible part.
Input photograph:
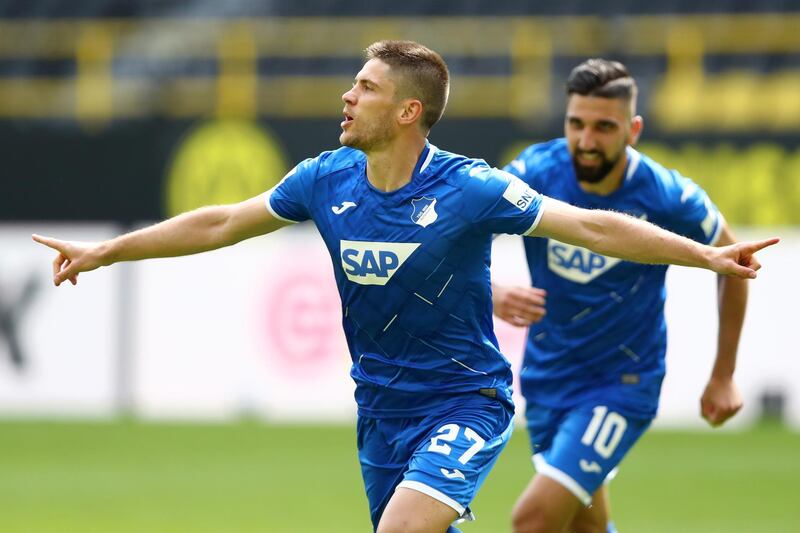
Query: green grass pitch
(249, 477)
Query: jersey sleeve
(290, 200)
(500, 202)
(691, 212)
(521, 166)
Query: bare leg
(545, 506)
(410, 511)
(594, 519)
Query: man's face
(370, 108)
(597, 130)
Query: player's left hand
(739, 259)
(720, 401)
(519, 306)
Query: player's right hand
(519, 306)
(72, 259)
(739, 259)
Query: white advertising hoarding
(58, 347)
(769, 357)
(251, 329)
(255, 329)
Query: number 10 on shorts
(604, 431)
(449, 433)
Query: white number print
(449, 433)
(475, 448)
(604, 431)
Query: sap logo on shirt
(374, 263)
(575, 263)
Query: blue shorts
(582, 446)
(446, 455)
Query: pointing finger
(55, 244)
(753, 247)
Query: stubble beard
(594, 174)
(375, 135)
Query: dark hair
(603, 78)
(419, 73)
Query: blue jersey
(412, 269)
(604, 336)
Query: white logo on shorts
(590, 466)
(454, 474)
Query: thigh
(589, 443)
(458, 452)
(444, 457)
(410, 511)
(594, 518)
(545, 506)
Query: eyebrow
(601, 122)
(366, 81)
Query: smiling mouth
(590, 158)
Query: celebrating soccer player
(594, 362)
(409, 229)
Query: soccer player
(594, 358)
(409, 230)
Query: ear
(637, 125)
(411, 112)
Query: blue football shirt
(604, 335)
(412, 269)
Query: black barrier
(147, 170)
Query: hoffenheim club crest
(424, 211)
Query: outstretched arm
(721, 398)
(201, 230)
(628, 238)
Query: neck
(390, 168)
(611, 182)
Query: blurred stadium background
(211, 393)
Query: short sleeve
(500, 202)
(531, 163)
(691, 211)
(517, 167)
(290, 200)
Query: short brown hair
(420, 72)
